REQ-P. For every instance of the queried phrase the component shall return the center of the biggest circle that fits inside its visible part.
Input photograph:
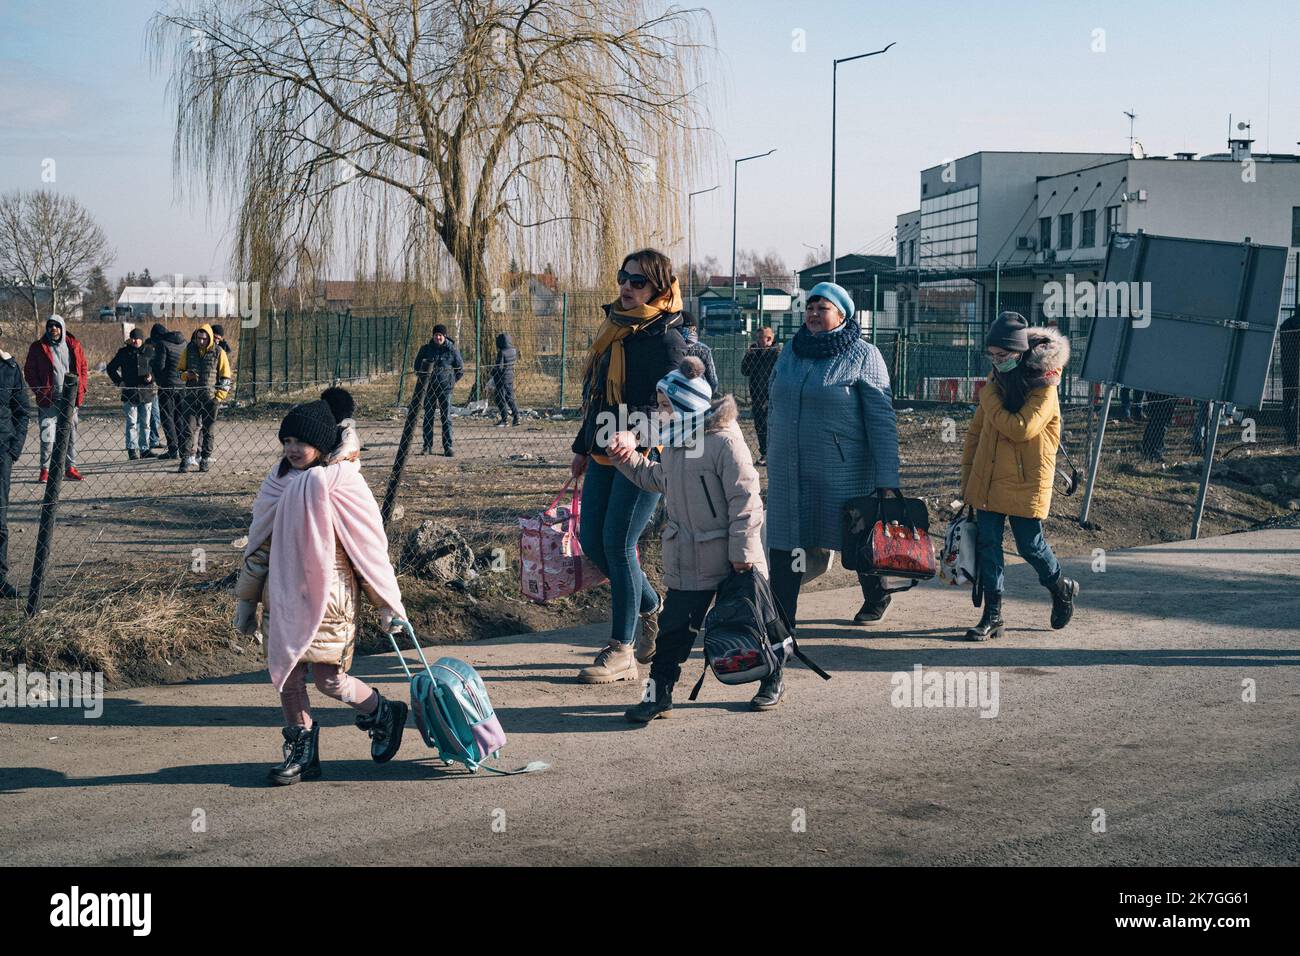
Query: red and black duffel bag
(888, 536)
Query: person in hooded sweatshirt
(49, 359)
(503, 379)
(206, 373)
(15, 412)
(441, 359)
(131, 370)
(1008, 464)
(691, 333)
(715, 517)
(168, 347)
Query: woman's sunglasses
(638, 281)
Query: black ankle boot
(660, 704)
(301, 756)
(1063, 593)
(991, 623)
(874, 604)
(770, 691)
(385, 727)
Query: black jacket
(757, 366)
(648, 355)
(445, 362)
(129, 370)
(705, 354)
(167, 350)
(16, 407)
(503, 371)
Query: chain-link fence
(128, 517)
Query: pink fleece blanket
(303, 512)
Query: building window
(911, 252)
(1067, 230)
(1088, 229)
(1045, 233)
(1112, 222)
(1295, 225)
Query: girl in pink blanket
(315, 540)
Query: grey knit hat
(1010, 332)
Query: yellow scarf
(612, 332)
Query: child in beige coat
(715, 516)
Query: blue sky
(76, 86)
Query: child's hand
(621, 447)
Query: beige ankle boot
(613, 663)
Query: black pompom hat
(312, 423)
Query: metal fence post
(564, 342)
(478, 349)
(67, 402)
(253, 362)
(406, 348)
(403, 446)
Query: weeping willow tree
(425, 135)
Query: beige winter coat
(711, 494)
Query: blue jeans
(614, 514)
(1030, 543)
(155, 416)
(137, 422)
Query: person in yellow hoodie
(205, 370)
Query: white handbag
(958, 565)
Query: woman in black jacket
(638, 344)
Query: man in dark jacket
(15, 412)
(503, 379)
(440, 358)
(132, 371)
(167, 350)
(691, 333)
(760, 358)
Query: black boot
(770, 691)
(991, 623)
(385, 727)
(301, 756)
(875, 602)
(658, 704)
(1063, 593)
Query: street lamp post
(835, 65)
(735, 175)
(690, 238)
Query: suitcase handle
(404, 625)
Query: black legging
(786, 583)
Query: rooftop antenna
(1132, 115)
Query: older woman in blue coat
(832, 436)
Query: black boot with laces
(301, 756)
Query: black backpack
(746, 636)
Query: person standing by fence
(15, 412)
(637, 345)
(168, 347)
(1008, 463)
(503, 379)
(49, 359)
(757, 364)
(696, 348)
(206, 372)
(131, 370)
(441, 359)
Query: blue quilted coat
(832, 436)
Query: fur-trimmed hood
(1049, 351)
(722, 412)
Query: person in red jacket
(49, 359)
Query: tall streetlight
(835, 65)
(690, 237)
(735, 174)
